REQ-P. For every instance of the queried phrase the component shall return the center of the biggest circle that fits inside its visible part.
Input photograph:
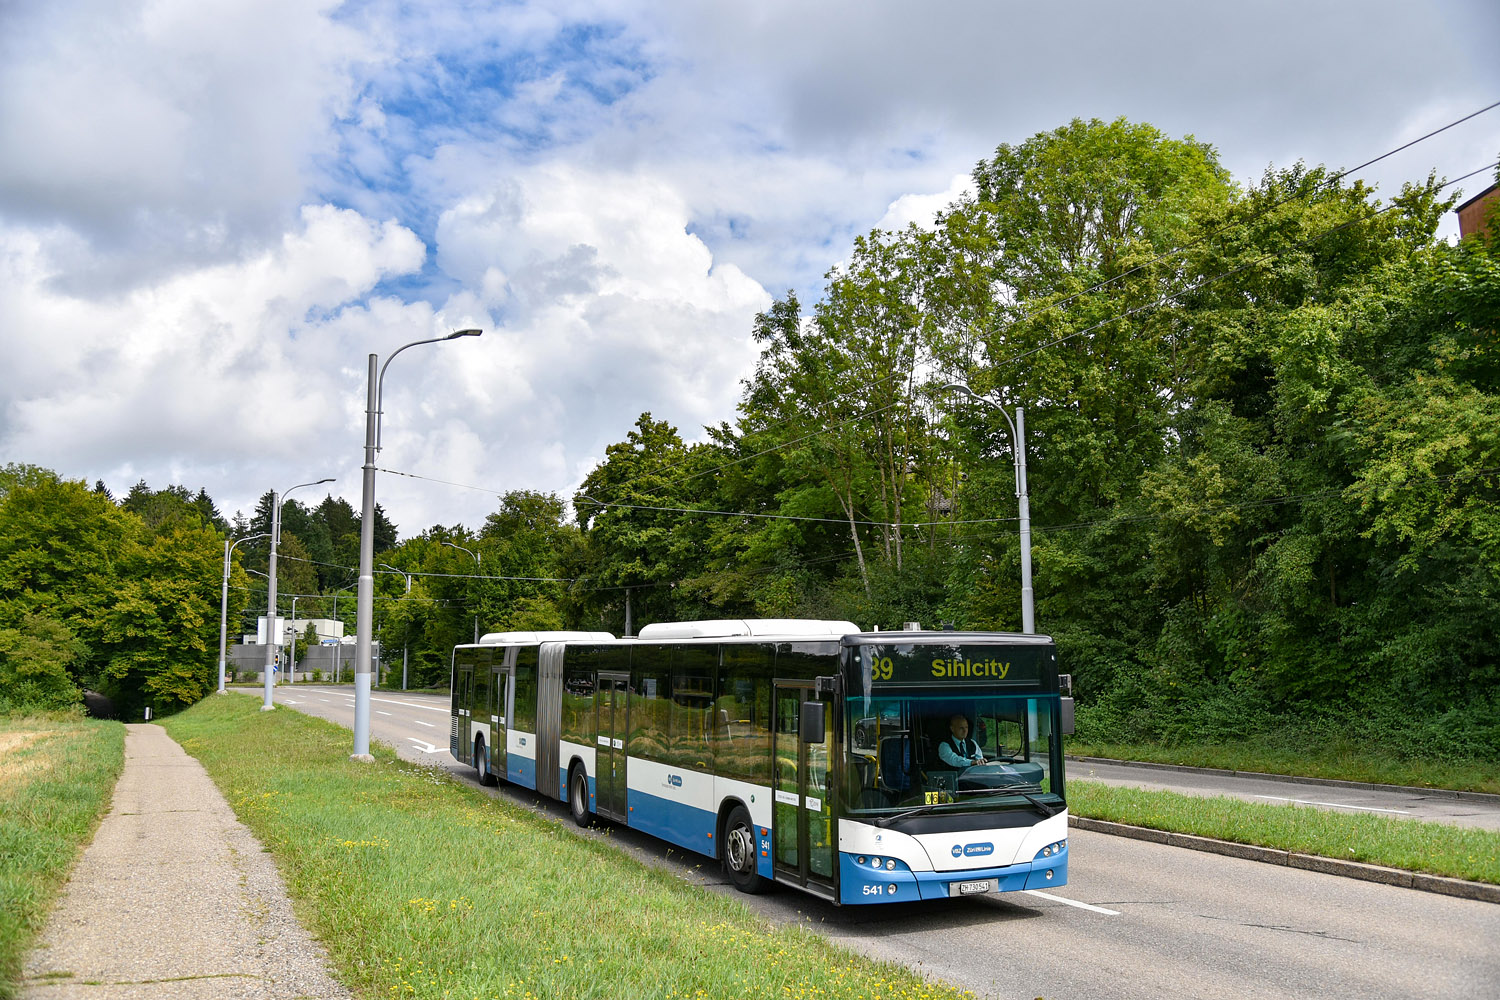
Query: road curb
(1292, 779)
(1462, 888)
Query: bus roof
(723, 628)
(931, 636)
(530, 638)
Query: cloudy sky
(213, 211)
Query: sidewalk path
(174, 898)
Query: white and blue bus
(800, 752)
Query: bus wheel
(739, 852)
(482, 763)
(578, 796)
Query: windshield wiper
(927, 807)
(1045, 808)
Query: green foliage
(91, 595)
(35, 654)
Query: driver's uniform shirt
(957, 753)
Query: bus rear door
(611, 698)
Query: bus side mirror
(812, 722)
(1065, 722)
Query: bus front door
(802, 807)
(611, 697)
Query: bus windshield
(963, 739)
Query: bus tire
(578, 796)
(739, 852)
(482, 763)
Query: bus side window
(649, 719)
(744, 744)
(578, 703)
(693, 670)
(525, 696)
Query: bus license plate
(971, 888)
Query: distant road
(1432, 805)
(1137, 920)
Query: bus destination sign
(953, 664)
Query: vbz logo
(675, 780)
(973, 850)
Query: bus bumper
(865, 883)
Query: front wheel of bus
(578, 796)
(482, 763)
(739, 852)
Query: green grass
(423, 887)
(1335, 758)
(56, 781)
(1437, 848)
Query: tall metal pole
(403, 631)
(365, 606)
(365, 601)
(291, 659)
(1028, 615)
(224, 605)
(271, 637)
(479, 566)
(272, 641)
(1018, 451)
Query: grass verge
(1309, 760)
(56, 780)
(421, 887)
(1436, 848)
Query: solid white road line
(1335, 805)
(1073, 902)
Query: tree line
(1262, 429)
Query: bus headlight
(890, 864)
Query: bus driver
(958, 750)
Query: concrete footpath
(174, 898)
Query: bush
(34, 661)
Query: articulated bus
(800, 752)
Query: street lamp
(403, 631)
(365, 606)
(1018, 451)
(276, 502)
(224, 603)
(291, 659)
(479, 566)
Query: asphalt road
(1434, 806)
(1137, 920)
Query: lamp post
(365, 606)
(224, 604)
(403, 631)
(1018, 451)
(291, 659)
(479, 567)
(271, 643)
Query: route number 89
(882, 669)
